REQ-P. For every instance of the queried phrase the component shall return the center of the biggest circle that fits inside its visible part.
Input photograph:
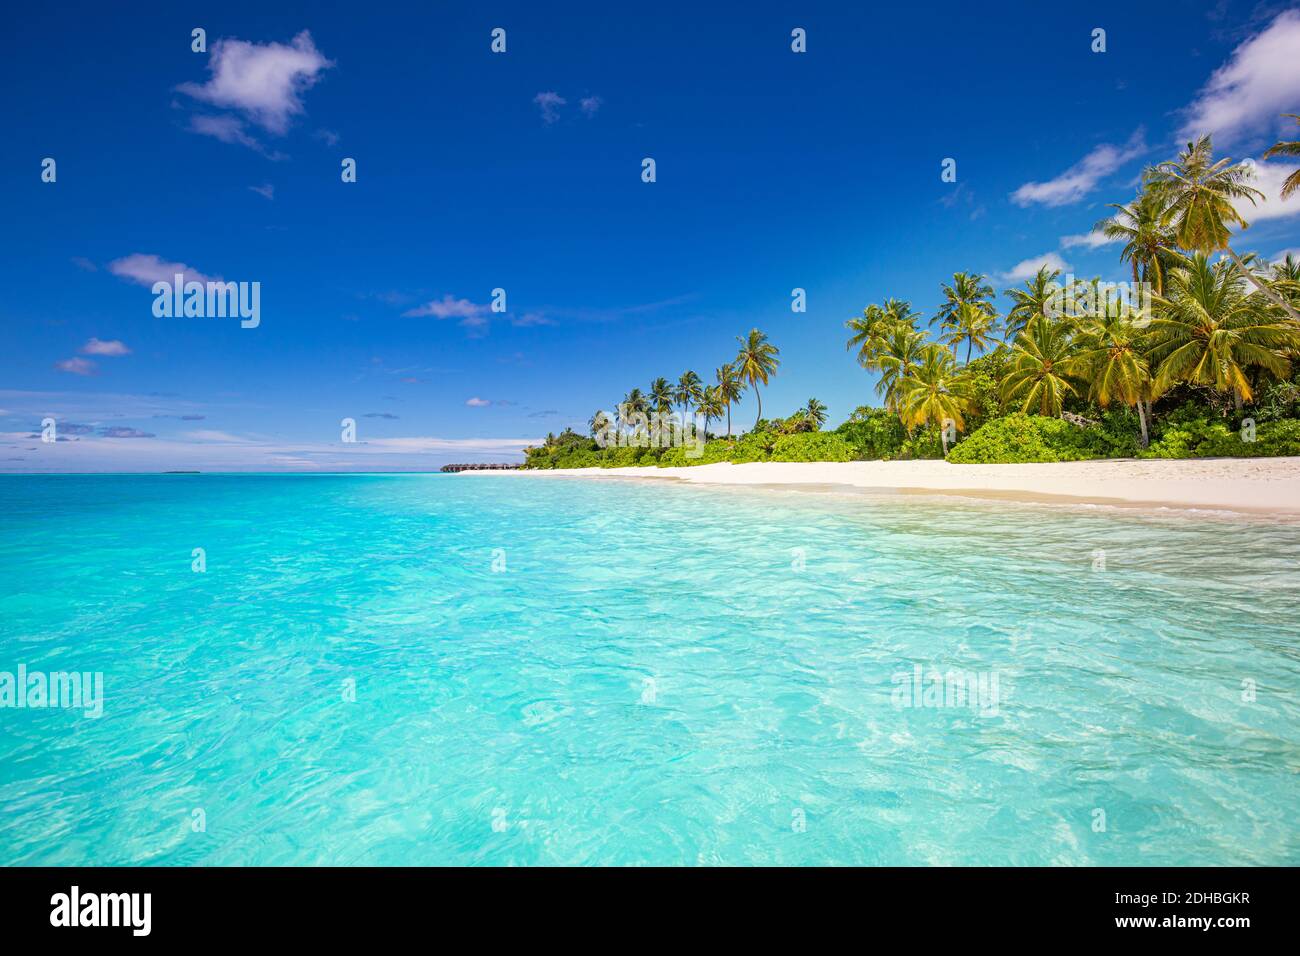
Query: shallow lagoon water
(659, 674)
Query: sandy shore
(1257, 485)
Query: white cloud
(228, 129)
(549, 103)
(267, 191)
(1268, 180)
(448, 308)
(146, 269)
(471, 314)
(590, 105)
(1090, 240)
(478, 402)
(76, 366)
(99, 347)
(1081, 178)
(452, 444)
(1281, 254)
(1029, 267)
(265, 81)
(211, 435)
(1244, 97)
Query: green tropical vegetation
(1205, 365)
(1287, 148)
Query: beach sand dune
(1259, 485)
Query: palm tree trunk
(728, 419)
(969, 343)
(758, 395)
(1254, 280)
(1236, 399)
(1142, 420)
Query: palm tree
(815, 412)
(1035, 299)
(1041, 367)
(756, 362)
(1144, 227)
(711, 406)
(967, 287)
(634, 403)
(1286, 278)
(1199, 193)
(598, 423)
(969, 324)
(689, 390)
(899, 354)
(867, 332)
(876, 323)
(659, 401)
(1287, 148)
(935, 391)
(661, 395)
(1211, 331)
(1111, 356)
(729, 388)
(900, 311)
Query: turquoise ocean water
(651, 674)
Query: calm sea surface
(427, 669)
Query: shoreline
(1252, 486)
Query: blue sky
(522, 171)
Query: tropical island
(1195, 358)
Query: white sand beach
(1257, 485)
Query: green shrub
(754, 446)
(1214, 439)
(1185, 439)
(1277, 401)
(926, 442)
(812, 446)
(673, 458)
(874, 434)
(1119, 430)
(624, 457)
(714, 452)
(1278, 438)
(795, 424)
(1188, 413)
(578, 458)
(1026, 438)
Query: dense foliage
(1020, 438)
(1197, 358)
